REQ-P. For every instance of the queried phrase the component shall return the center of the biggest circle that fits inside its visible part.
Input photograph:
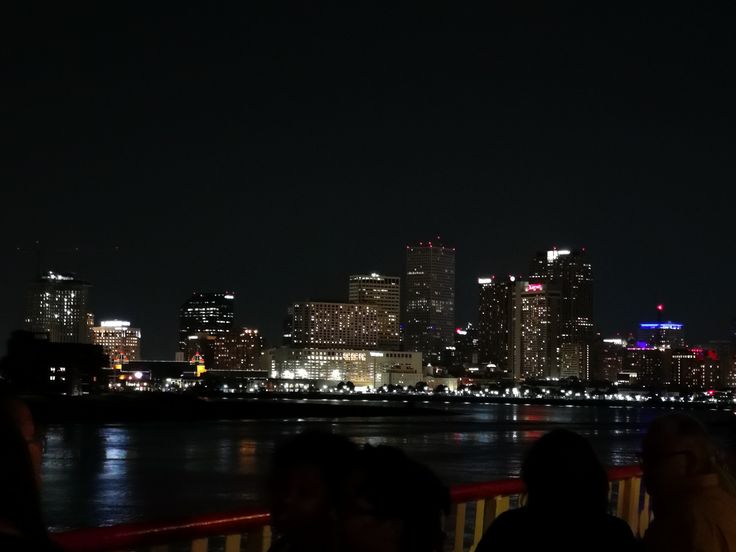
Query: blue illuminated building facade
(662, 335)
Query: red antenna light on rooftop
(660, 307)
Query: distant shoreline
(145, 407)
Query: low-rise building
(329, 366)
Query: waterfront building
(119, 339)
(57, 304)
(338, 325)
(429, 319)
(363, 368)
(385, 293)
(35, 364)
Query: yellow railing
(475, 506)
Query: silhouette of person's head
(20, 458)
(393, 503)
(306, 475)
(562, 472)
(677, 447)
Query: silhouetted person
(567, 503)
(306, 475)
(693, 508)
(392, 504)
(21, 523)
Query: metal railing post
(459, 514)
(199, 545)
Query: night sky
(155, 151)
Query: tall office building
(495, 299)
(385, 293)
(57, 304)
(207, 314)
(429, 320)
(535, 346)
(120, 341)
(338, 325)
(570, 273)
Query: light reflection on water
(104, 474)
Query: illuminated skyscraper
(120, 341)
(57, 304)
(429, 320)
(385, 293)
(207, 314)
(494, 320)
(570, 273)
(535, 347)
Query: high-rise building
(645, 366)
(429, 320)
(570, 272)
(207, 314)
(385, 293)
(464, 353)
(662, 335)
(611, 360)
(494, 320)
(683, 361)
(247, 346)
(57, 304)
(535, 346)
(695, 368)
(575, 360)
(213, 349)
(120, 341)
(338, 325)
(724, 350)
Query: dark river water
(106, 474)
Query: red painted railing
(476, 505)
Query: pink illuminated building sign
(534, 287)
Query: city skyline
(655, 311)
(276, 151)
